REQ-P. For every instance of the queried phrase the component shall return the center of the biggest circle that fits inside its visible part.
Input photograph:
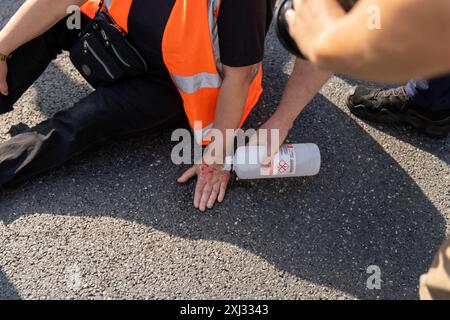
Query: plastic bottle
(292, 160)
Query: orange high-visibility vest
(191, 53)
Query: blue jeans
(431, 94)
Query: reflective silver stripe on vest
(192, 84)
(199, 81)
(108, 3)
(213, 5)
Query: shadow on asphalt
(362, 210)
(7, 290)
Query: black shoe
(394, 106)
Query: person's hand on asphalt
(212, 182)
(309, 19)
(3, 75)
(276, 130)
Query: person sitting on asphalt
(216, 83)
(150, 102)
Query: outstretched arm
(305, 81)
(212, 180)
(413, 39)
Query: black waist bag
(103, 55)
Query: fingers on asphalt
(198, 193)
(3, 87)
(213, 198)
(189, 174)
(223, 190)
(206, 194)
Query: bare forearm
(412, 32)
(306, 80)
(230, 106)
(232, 100)
(32, 19)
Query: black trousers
(140, 105)
(433, 94)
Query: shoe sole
(434, 129)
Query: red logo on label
(283, 167)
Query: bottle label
(283, 163)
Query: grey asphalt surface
(114, 224)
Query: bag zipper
(88, 47)
(113, 47)
(138, 54)
(106, 38)
(119, 56)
